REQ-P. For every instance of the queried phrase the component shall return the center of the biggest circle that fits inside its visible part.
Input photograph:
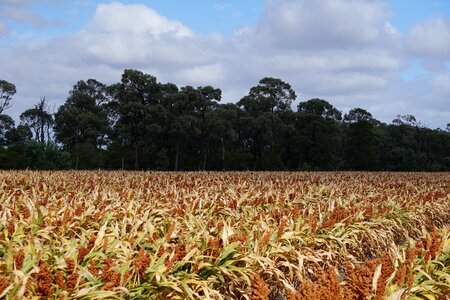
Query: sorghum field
(150, 235)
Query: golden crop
(218, 235)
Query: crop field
(224, 235)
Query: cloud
(25, 2)
(345, 51)
(130, 34)
(18, 11)
(331, 24)
(350, 54)
(4, 30)
(202, 75)
(430, 39)
(22, 15)
(439, 92)
(118, 36)
(15, 2)
(135, 19)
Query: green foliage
(46, 156)
(357, 115)
(13, 157)
(6, 124)
(139, 123)
(18, 134)
(361, 150)
(320, 108)
(318, 142)
(7, 91)
(39, 120)
(270, 95)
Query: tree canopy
(7, 91)
(139, 123)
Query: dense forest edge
(141, 124)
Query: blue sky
(203, 16)
(210, 15)
(408, 12)
(388, 56)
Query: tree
(46, 156)
(361, 149)
(19, 134)
(223, 120)
(183, 125)
(320, 108)
(7, 91)
(356, 115)
(262, 122)
(142, 124)
(270, 95)
(13, 157)
(130, 104)
(81, 123)
(317, 142)
(39, 120)
(6, 124)
(407, 120)
(206, 98)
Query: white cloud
(116, 18)
(430, 39)
(439, 93)
(19, 11)
(25, 2)
(202, 75)
(22, 15)
(344, 51)
(15, 2)
(331, 24)
(131, 34)
(338, 61)
(4, 30)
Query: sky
(390, 57)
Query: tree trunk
(223, 154)
(136, 162)
(177, 154)
(205, 154)
(48, 133)
(42, 132)
(256, 154)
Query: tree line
(142, 124)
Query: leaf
(397, 295)
(429, 296)
(188, 290)
(376, 276)
(227, 253)
(227, 231)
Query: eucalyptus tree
(39, 120)
(82, 124)
(321, 108)
(6, 124)
(317, 137)
(130, 103)
(361, 151)
(264, 107)
(7, 91)
(184, 126)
